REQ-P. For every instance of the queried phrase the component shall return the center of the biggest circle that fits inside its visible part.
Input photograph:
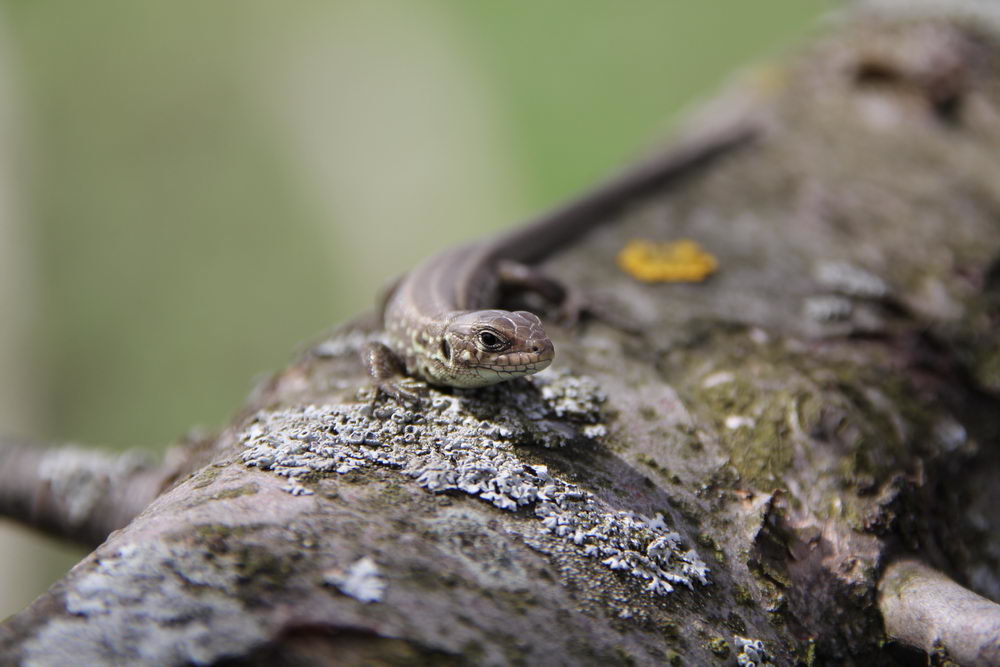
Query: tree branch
(74, 493)
(722, 485)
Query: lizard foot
(386, 370)
(406, 393)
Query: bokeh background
(190, 189)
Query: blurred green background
(188, 190)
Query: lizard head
(484, 347)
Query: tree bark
(725, 485)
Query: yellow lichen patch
(671, 262)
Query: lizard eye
(445, 349)
(490, 340)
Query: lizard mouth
(517, 369)
(516, 364)
(485, 374)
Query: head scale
(484, 347)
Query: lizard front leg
(387, 371)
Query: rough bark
(725, 485)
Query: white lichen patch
(717, 378)
(446, 448)
(949, 434)
(80, 478)
(827, 308)
(752, 653)
(851, 280)
(151, 603)
(577, 397)
(362, 580)
(736, 422)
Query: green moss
(736, 624)
(765, 453)
(759, 445)
(622, 657)
(649, 413)
(653, 464)
(775, 406)
(473, 651)
(392, 493)
(718, 646)
(669, 629)
(204, 477)
(743, 596)
(211, 532)
(694, 446)
(939, 655)
(247, 489)
(810, 658)
(706, 541)
(691, 513)
(259, 569)
(986, 368)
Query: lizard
(441, 320)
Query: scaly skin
(478, 348)
(440, 328)
(440, 321)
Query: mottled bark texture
(80, 494)
(725, 486)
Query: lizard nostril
(534, 348)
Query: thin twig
(923, 608)
(74, 493)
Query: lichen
(718, 646)
(80, 478)
(752, 653)
(743, 596)
(204, 477)
(248, 489)
(675, 261)
(150, 603)
(777, 406)
(448, 447)
(851, 280)
(362, 580)
(827, 308)
(258, 568)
